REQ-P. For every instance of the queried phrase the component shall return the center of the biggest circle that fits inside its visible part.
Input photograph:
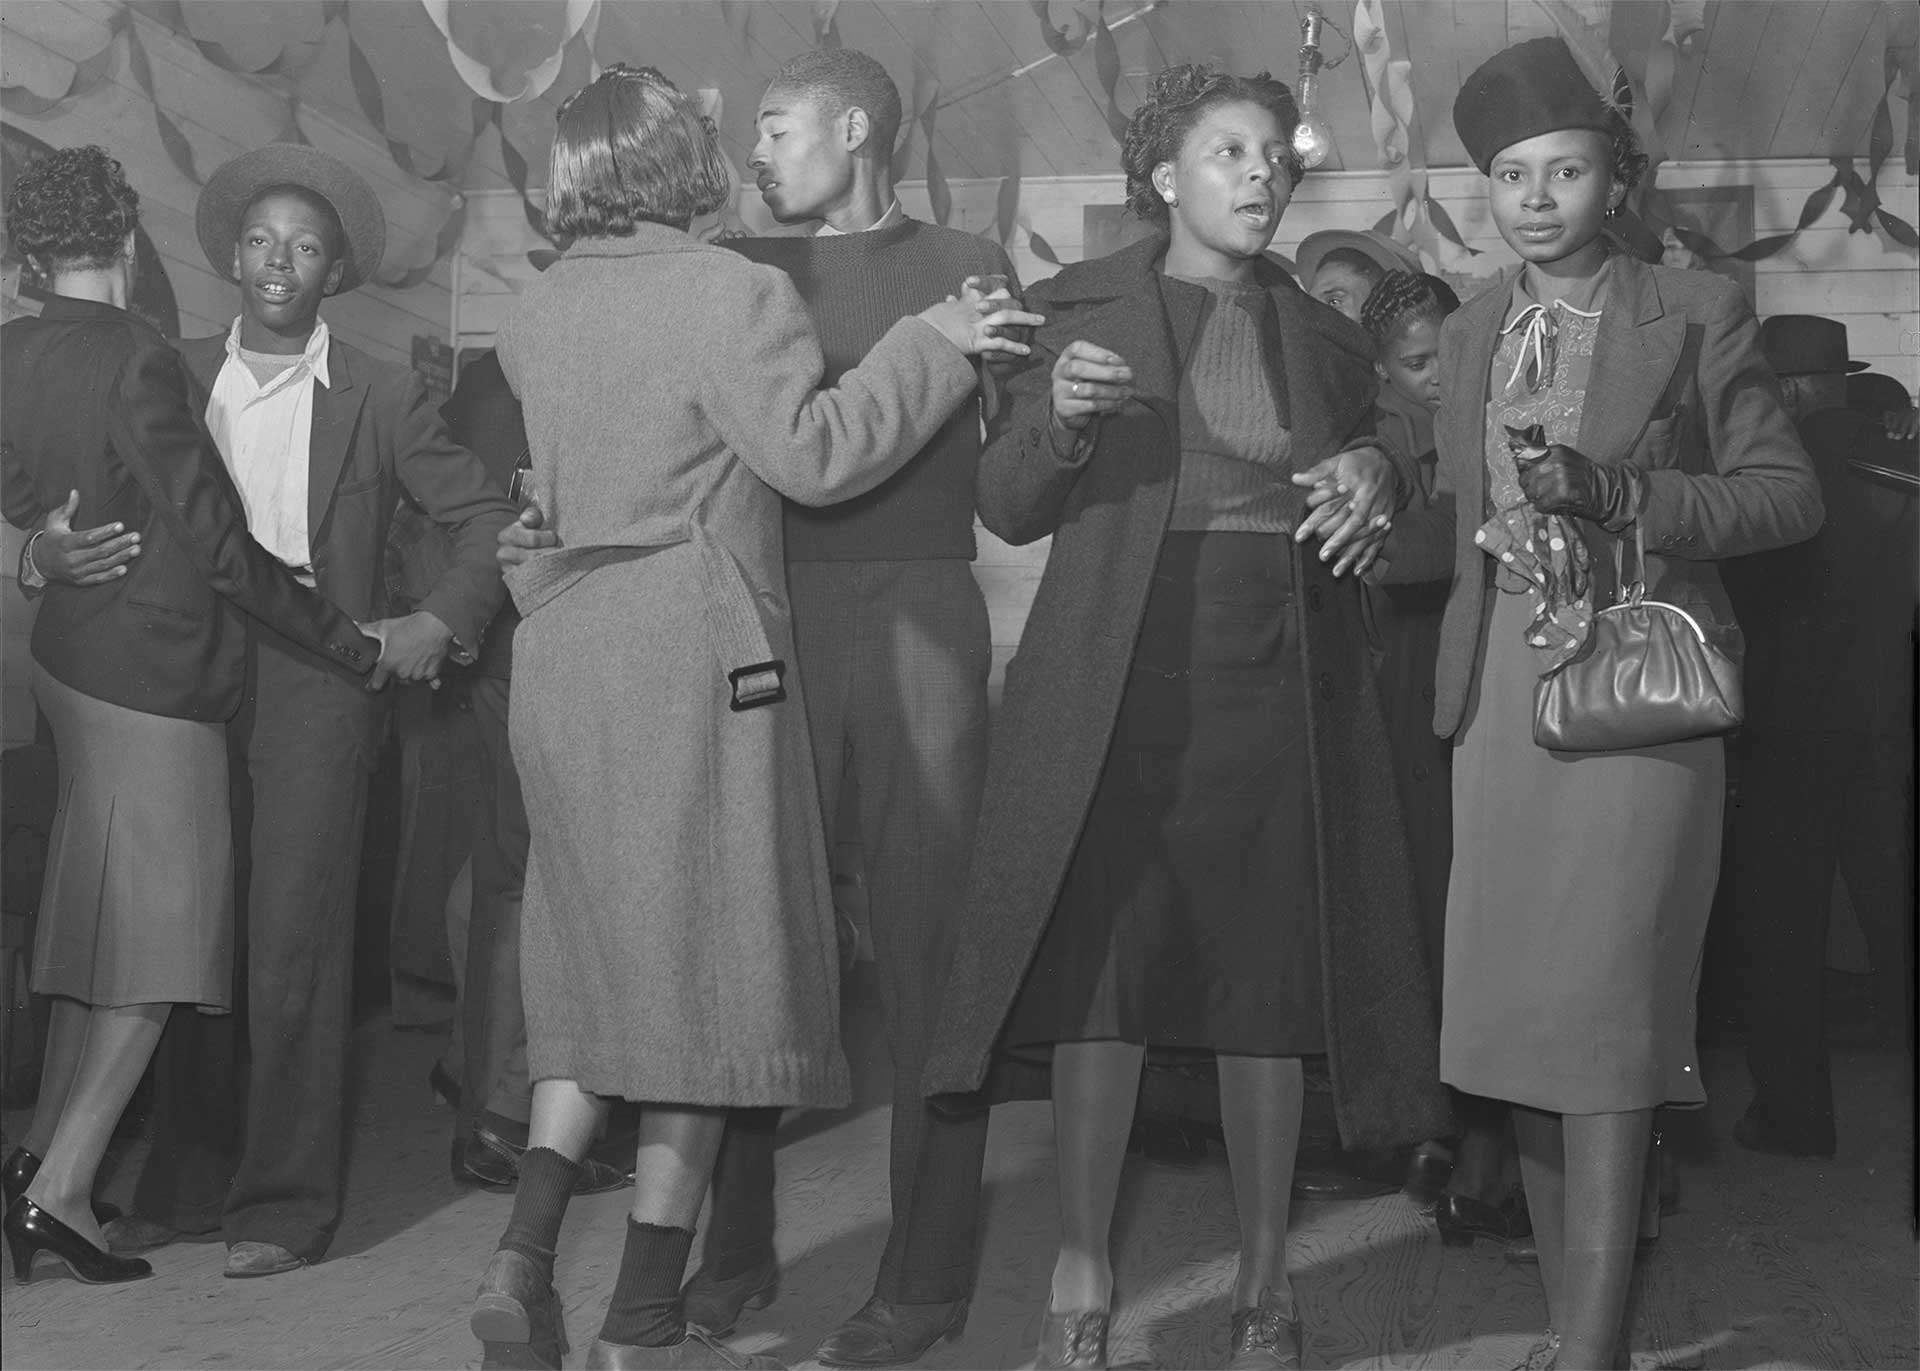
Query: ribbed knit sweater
(1235, 451)
(856, 286)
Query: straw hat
(236, 184)
(1369, 243)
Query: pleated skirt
(137, 906)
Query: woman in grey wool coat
(678, 941)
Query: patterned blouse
(1540, 373)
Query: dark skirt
(137, 906)
(1189, 915)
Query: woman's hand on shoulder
(1088, 381)
(975, 323)
(1351, 498)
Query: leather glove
(1565, 481)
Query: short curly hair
(839, 79)
(1180, 96)
(72, 207)
(1402, 296)
(630, 147)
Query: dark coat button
(1421, 771)
(1314, 598)
(1427, 692)
(1033, 435)
(1326, 686)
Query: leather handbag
(1647, 674)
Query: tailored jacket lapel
(1635, 353)
(1149, 320)
(336, 416)
(1464, 413)
(1324, 403)
(204, 358)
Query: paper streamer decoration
(1416, 218)
(1106, 66)
(1061, 42)
(508, 53)
(89, 72)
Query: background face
(1342, 287)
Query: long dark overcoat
(1108, 514)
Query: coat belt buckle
(752, 689)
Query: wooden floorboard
(1770, 1263)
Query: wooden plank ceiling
(1798, 79)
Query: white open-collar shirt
(265, 433)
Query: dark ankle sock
(539, 1207)
(645, 1308)
(512, 1130)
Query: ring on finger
(1076, 390)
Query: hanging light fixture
(1312, 138)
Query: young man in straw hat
(321, 440)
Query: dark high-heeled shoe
(31, 1230)
(1461, 1219)
(17, 1174)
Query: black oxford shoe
(885, 1334)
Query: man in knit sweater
(893, 640)
(892, 635)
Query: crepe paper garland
(1061, 42)
(538, 78)
(825, 33)
(1106, 66)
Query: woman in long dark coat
(1190, 836)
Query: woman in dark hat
(1190, 838)
(136, 676)
(1581, 882)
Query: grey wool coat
(678, 939)
(1108, 513)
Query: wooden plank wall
(221, 116)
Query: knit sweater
(1235, 448)
(856, 286)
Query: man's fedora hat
(237, 183)
(1795, 344)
